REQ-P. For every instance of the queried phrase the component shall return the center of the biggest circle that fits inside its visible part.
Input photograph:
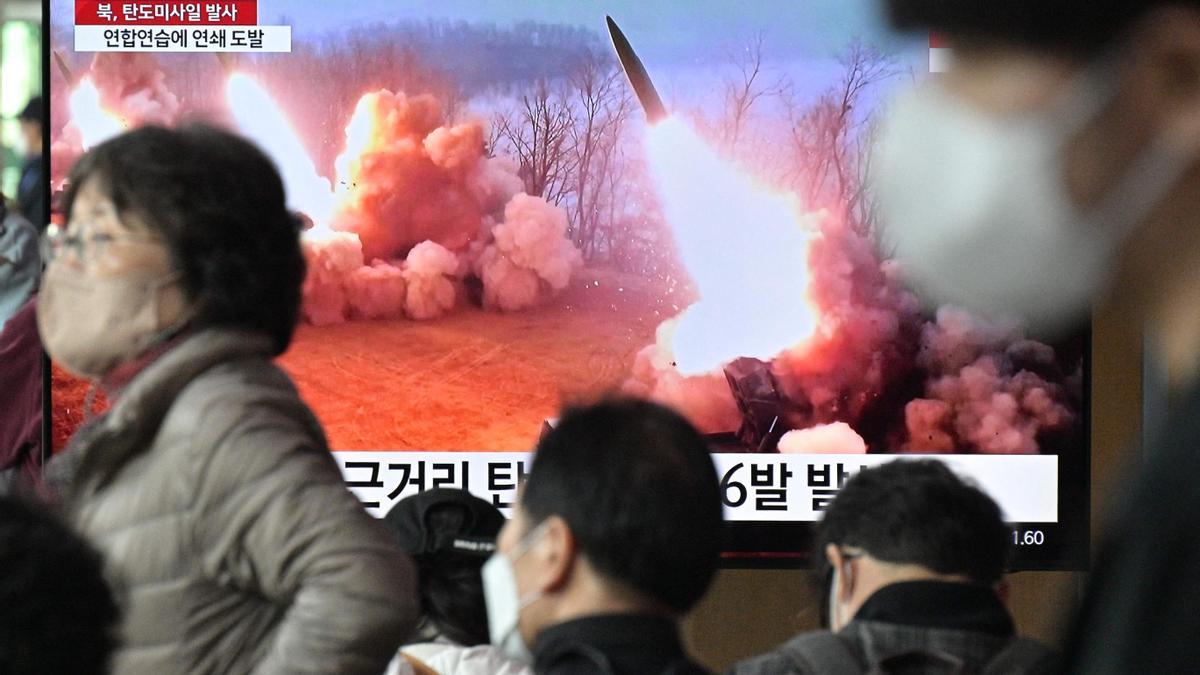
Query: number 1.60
(1028, 538)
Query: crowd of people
(201, 524)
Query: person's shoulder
(1023, 655)
(813, 652)
(243, 380)
(17, 232)
(246, 394)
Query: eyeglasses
(88, 248)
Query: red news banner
(175, 26)
(166, 13)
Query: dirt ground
(472, 380)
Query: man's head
(620, 513)
(909, 520)
(57, 614)
(31, 119)
(1118, 83)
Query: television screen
(512, 207)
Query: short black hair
(219, 202)
(919, 512)
(1078, 26)
(57, 614)
(33, 111)
(636, 484)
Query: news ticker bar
(754, 487)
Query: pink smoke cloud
(979, 397)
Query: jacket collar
(129, 427)
(621, 642)
(937, 604)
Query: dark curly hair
(219, 202)
(57, 614)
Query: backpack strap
(822, 652)
(1022, 655)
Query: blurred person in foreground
(31, 190)
(616, 535)
(1057, 162)
(916, 559)
(229, 535)
(57, 614)
(20, 264)
(449, 533)
(21, 403)
(20, 354)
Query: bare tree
(744, 90)
(603, 106)
(830, 139)
(538, 133)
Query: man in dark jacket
(616, 536)
(916, 558)
(1105, 96)
(31, 190)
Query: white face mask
(504, 602)
(976, 209)
(90, 325)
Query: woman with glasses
(229, 536)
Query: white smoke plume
(429, 271)
(705, 400)
(836, 438)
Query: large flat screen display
(515, 206)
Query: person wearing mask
(449, 533)
(229, 535)
(915, 559)
(31, 190)
(57, 613)
(616, 535)
(1057, 164)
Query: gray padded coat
(230, 538)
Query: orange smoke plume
(403, 178)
